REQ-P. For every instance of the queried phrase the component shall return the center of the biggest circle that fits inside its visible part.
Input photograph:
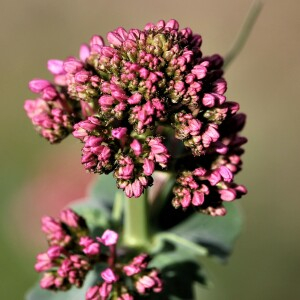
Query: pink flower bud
(135, 98)
(70, 218)
(119, 132)
(125, 297)
(47, 281)
(90, 247)
(92, 293)
(220, 211)
(200, 71)
(114, 39)
(160, 24)
(106, 100)
(173, 24)
(49, 225)
(198, 198)
(226, 174)
(199, 172)
(179, 86)
(137, 188)
(233, 106)
(38, 85)
(84, 52)
(208, 100)
(43, 263)
(220, 86)
(55, 66)
(241, 189)
(122, 33)
(55, 251)
(72, 65)
(136, 147)
(96, 40)
(228, 194)
(104, 290)
(214, 178)
(148, 167)
(186, 200)
(82, 76)
(49, 93)
(109, 238)
(109, 276)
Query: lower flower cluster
(72, 253)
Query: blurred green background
(264, 79)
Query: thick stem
(136, 223)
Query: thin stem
(244, 32)
(136, 224)
(181, 241)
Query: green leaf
(103, 190)
(37, 293)
(92, 211)
(180, 269)
(217, 234)
(97, 207)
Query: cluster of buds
(206, 187)
(52, 114)
(64, 263)
(72, 253)
(125, 99)
(115, 280)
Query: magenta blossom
(147, 101)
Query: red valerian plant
(147, 101)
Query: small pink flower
(104, 290)
(70, 218)
(93, 293)
(119, 132)
(47, 281)
(43, 263)
(228, 194)
(38, 85)
(109, 238)
(109, 276)
(72, 65)
(137, 188)
(84, 52)
(55, 251)
(148, 167)
(55, 66)
(125, 297)
(136, 147)
(90, 247)
(149, 283)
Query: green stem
(244, 32)
(117, 209)
(136, 231)
(180, 241)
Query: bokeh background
(38, 179)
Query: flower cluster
(126, 99)
(206, 187)
(64, 263)
(72, 253)
(143, 279)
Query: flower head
(127, 100)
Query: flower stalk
(244, 33)
(136, 222)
